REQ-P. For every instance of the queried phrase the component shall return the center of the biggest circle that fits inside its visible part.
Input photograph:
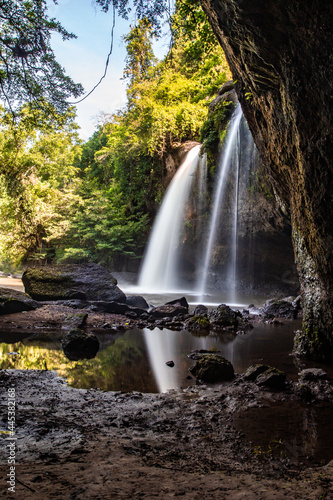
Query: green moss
(199, 322)
(313, 344)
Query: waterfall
(183, 247)
(160, 266)
(229, 153)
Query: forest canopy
(64, 200)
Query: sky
(84, 58)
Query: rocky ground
(192, 443)
(79, 444)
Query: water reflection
(136, 360)
(289, 429)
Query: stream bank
(90, 444)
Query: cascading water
(182, 219)
(229, 154)
(160, 266)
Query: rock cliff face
(280, 54)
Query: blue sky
(84, 58)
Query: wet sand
(12, 283)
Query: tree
(140, 55)
(28, 69)
(153, 11)
(37, 181)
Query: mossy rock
(314, 345)
(68, 281)
(266, 376)
(198, 323)
(272, 379)
(13, 301)
(212, 368)
(223, 317)
(254, 371)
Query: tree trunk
(280, 54)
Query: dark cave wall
(280, 54)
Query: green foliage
(153, 11)
(212, 131)
(101, 228)
(37, 182)
(96, 201)
(140, 55)
(28, 69)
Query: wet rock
(113, 307)
(182, 302)
(201, 309)
(174, 325)
(137, 301)
(225, 96)
(73, 303)
(313, 374)
(254, 371)
(198, 353)
(223, 316)
(313, 344)
(76, 295)
(272, 379)
(168, 311)
(213, 368)
(77, 320)
(304, 392)
(72, 281)
(131, 314)
(287, 307)
(198, 323)
(266, 376)
(80, 345)
(13, 301)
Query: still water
(136, 360)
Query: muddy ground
(88, 444)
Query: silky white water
(232, 138)
(160, 266)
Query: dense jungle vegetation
(65, 200)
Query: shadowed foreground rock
(12, 301)
(213, 368)
(80, 345)
(266, 376)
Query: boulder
(198, 353)
(198, 323)
(137, 301)
(213, 368)
(223, 316)
(13, 301)
(287, 307)
(76, 320)
(72, 281)
(254, 371)
(272, 379)
(313, 374)
(80, 345)
(113, 307)
(200, 309)
(182, 302)
(168, 311)
(266, 376)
